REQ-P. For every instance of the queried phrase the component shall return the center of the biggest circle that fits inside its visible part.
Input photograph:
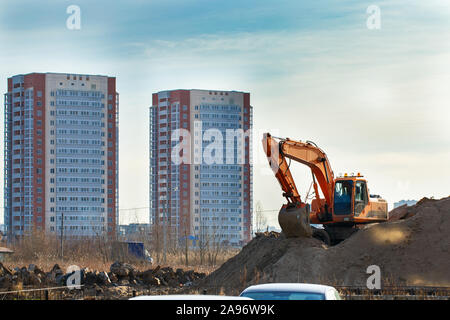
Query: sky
(375, 100)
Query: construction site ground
(412, 251)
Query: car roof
(289, 287)
(188, 297)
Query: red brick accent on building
(184, 97)
(154, 99)
(111, 156)
(247, 214)
(37, 81)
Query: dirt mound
(412, 249)
(405, 211)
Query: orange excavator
(346, 204)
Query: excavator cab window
(360, 197)
(343, 197)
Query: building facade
(403, 202)
(134, 231)
(200, 165)
(61, 154)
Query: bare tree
(185, 230)
(260, 218)
(203, 241)
(156, 240)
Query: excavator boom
(294, 216)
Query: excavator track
(294, 222)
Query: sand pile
(405, 211)
(412, 249)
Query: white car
(291, 291)
(189, 297)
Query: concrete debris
(405, 211)
(120, 274)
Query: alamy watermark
(73, 22)
(373, 21)
(374, 281)
(74, 279)
(210, 146)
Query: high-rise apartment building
(61, 154)
(200, 164)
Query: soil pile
(412, 249)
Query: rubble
(120, 274)
(405, 211)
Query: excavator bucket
(294, 222)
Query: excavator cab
(343, 195)
(361, 208)
(350, 198)
(361, 197)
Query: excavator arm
(279, 153)
(280, 167)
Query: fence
(52, 293)
(347, 293)
(395, 293)
(355, 292)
